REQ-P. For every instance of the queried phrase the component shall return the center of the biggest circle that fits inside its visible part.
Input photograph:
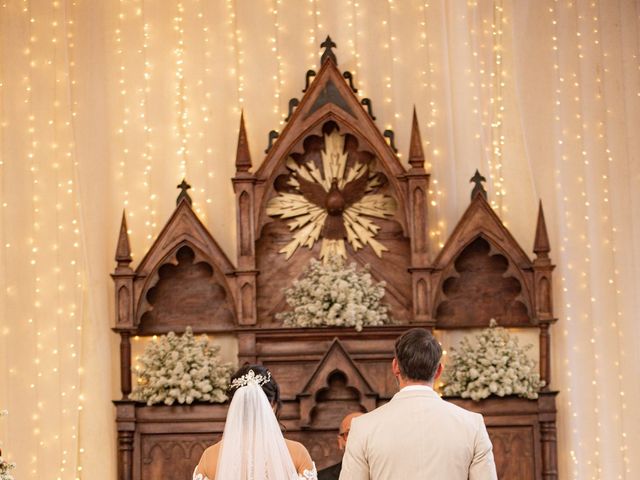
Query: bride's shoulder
(212, 451)
(207, 465)
(294, 444)
(296, 448)
(299, 455)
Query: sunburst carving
(335, 200)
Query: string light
(239, 50)
(181, 94)
(357, 26)
(147, 150)
(279, 77)
(431, 93)
(313, 34)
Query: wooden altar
(374, 211)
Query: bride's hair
(270, 388)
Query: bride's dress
(300, 460)
(306, 475)
(252, 446)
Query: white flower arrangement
(181, 369)
(493, 363)
(334, 294)
(5, 467)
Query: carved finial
(328, 44)
(243, 157)
(479, 188)
(184, 186)
(541, 245)
(416, 155)
(123, 250)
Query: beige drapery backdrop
(106, 105)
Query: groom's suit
(418, 436)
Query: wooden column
(126, 421)
(543, 299)
(549, 448)
(125, 364)
(244, 188)
(418, 184)
(125, 455)
(123, 277)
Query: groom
(417, 435)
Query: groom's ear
(438, 372)
(395, 368)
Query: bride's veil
(253, 447)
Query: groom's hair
(418, 354)
(271, 388)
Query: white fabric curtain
(107, 105)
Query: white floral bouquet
(334, 294)
(181, 369)
(5, 467)
(492, 364)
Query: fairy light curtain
(107, 105)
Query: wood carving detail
(246, 296)
(421, 297)
(514, 451)
(331, 191)
(187, 294)
(335, 401)
(245, 231)
(178, 455)
(480, 287)
(335, 388)
(420, 228)
(544, 296)
(124, 306)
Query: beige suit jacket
(418, 436)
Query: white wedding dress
(253, 447)
(306, 475)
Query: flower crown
(250, 378)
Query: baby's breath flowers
(493, 363)
(335, 294)
(181, 369)
(5, 467)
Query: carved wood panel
(481, 287)
(189, 293)
(514, 452)
(172, 456)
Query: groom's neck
(406, 383)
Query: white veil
(253, 447)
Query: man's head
(345, 426)
(417, 358)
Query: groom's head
(417, 357)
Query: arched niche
(481, 283)
(335, 400)
(185, 290)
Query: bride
(252, 445)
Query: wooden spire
(328, 54)
(123, 250)
(541, 245)
(243, 157)
(416, 154)
(478, 189)
(183, 195)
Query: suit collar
(422, 393)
